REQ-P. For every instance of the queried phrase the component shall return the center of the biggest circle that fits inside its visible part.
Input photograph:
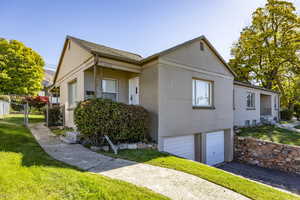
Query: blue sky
(140, 26)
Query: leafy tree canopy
(267, 52)
(21, 69)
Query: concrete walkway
(171, 183)
(290, 126)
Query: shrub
(95, 118)
(297, 110)
(17, 103)
(55, 116)
(5, 98)
(37, 102)
(286, 114)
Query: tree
(267, 52)
(21, 69)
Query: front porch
(121, 85)
(266, 107)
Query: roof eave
(254, 86)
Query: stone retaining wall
(267, 154)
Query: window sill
(250, 108)
(204, 107)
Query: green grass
(27, 172)
(273, 134)
(286, 122)
(238, 184)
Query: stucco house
(188, 89)
(253, 104)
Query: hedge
(95, 118)
(297, 110)
(286, 114)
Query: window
(110, 89)
(254, 123)
(247, 123)
(72, 94)
(202, 93)
(250, 100)
(275, 102)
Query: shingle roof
(253, 86)
(104, 50)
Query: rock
(123, 146)
(132, 146)
(105, 148)
(95, 148)
(72, 136)
(67, 140)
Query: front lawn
(273, 134)
(241, 185)
(27, 172)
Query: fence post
(47, 115)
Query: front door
(134, 97)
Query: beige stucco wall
(177, 116)
(74, 56)
(191, 55)
(75, 60)
(149, 95)
(241, 114)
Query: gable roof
(106, 51)
(129, 57)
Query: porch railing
(266, 111)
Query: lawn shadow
(18, 139)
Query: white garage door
(182, 146)
(215, 148)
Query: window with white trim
(110, 89)
(275, 102)
(202, 93)
(72, 93)
(250, 100)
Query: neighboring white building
(253, 104)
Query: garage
(182, 146)
(215, 148)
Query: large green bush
(95, 118)
(297, 110)
(286, 114)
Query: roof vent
(201, 46)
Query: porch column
(95, 81)
(100, 81)
(96, 58)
